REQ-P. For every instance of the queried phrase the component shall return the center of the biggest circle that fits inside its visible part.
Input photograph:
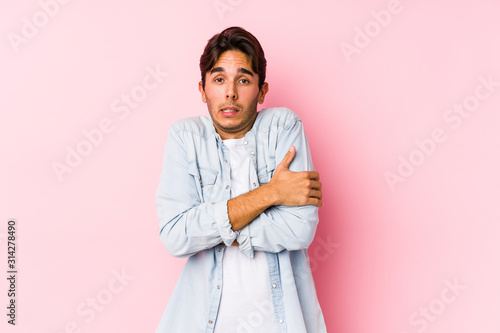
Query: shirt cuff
(221, 216)
(245, 242)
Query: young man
(238, 196)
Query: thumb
(285, 163)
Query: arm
(286, 188)
(187, 225)
(291, 223)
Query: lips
(229, 111)
(230, 108)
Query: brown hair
(234, 38)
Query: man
(238, 196)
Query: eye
(244, 81)
(218, 80)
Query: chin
(229, 126)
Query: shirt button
(254, 184)
(253, 153)
(210, 321)
(281, 321)
(218, 286)
(274, 285)
(245, 142)
(227, 187)
(220, 249)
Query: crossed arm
(278, 215)
(286, 188)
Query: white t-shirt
(246, 304)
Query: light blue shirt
(192, 197)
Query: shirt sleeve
(280, 227)
(187, 225)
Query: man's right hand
(286, 188)
(295, 188)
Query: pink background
(383, 254)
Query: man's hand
(286, 188)
(295, 188)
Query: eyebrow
(240, 70)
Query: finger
(285, 163)
(315, 194)
(315, 202)
(313, 175)
(316, 185)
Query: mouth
(229, 111)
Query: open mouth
(229, 111)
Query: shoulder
(277, 116)
(193, 126)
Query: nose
(231, 92)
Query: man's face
(232, 94)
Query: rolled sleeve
(221, 217)
(245, 242)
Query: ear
(200, 88)
(263, 91)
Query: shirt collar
(217, 136)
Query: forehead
(234, 59)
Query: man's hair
(234, 38)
